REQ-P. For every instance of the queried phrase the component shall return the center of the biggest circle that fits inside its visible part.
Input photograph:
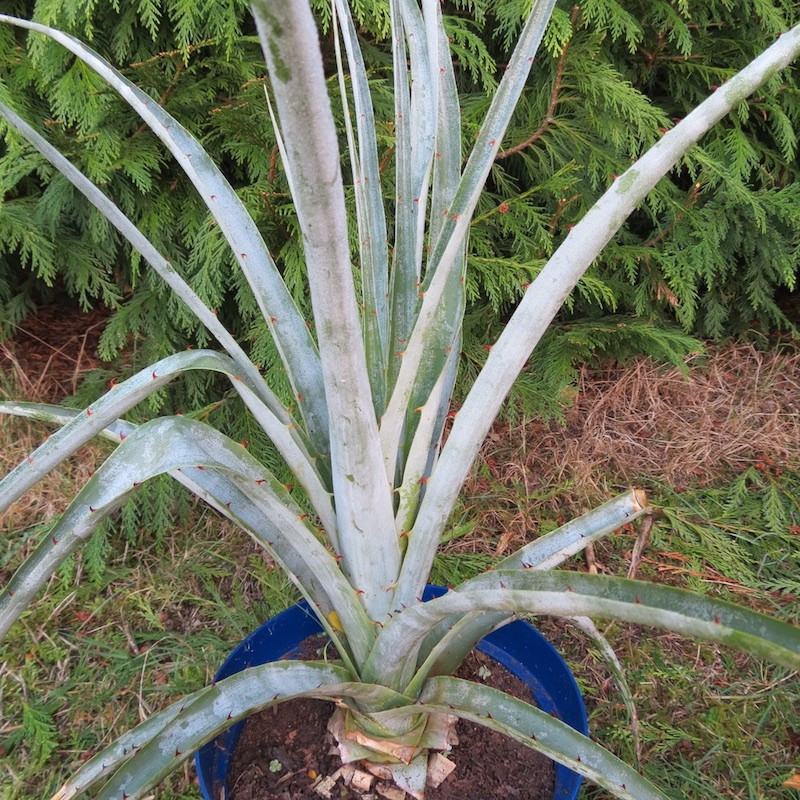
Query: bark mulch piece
(52, 349)
(292, 738)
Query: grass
(713, 723)
(151, 607)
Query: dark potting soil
(281, 751)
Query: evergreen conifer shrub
(611, 75)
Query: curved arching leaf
(115, 432)
(574, 594)
(124, 396)
(536, 729)
(226, 703)
(163, 742)
(103, 764)
(181, 444)
(292, 337)
(147, 250)
(543, 553)
(223, 494)
(609, 655)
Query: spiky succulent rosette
(371, 381)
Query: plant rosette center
(388, 748)
(396, 741)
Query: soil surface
(291, 740)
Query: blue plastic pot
(519, 647)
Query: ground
(149, 609)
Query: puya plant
(364, 431)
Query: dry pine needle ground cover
(142, 617)
(641, 424)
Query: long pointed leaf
(573, 594)
(433, 330)
(103, 764)
(447, 164)
(434, 383)
(415, 116)
(369, 547)
(223, 494)
(446, 177)
(546, 295)
(373, 247)
(115, 432)
(178, 443)
(488, 142)
(618, 673)
(539, 731)
(288, 328)
(226, 703)
(145, 248)
(191, 722)
(124, 396)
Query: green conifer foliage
(613, 74)
(618, 73)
